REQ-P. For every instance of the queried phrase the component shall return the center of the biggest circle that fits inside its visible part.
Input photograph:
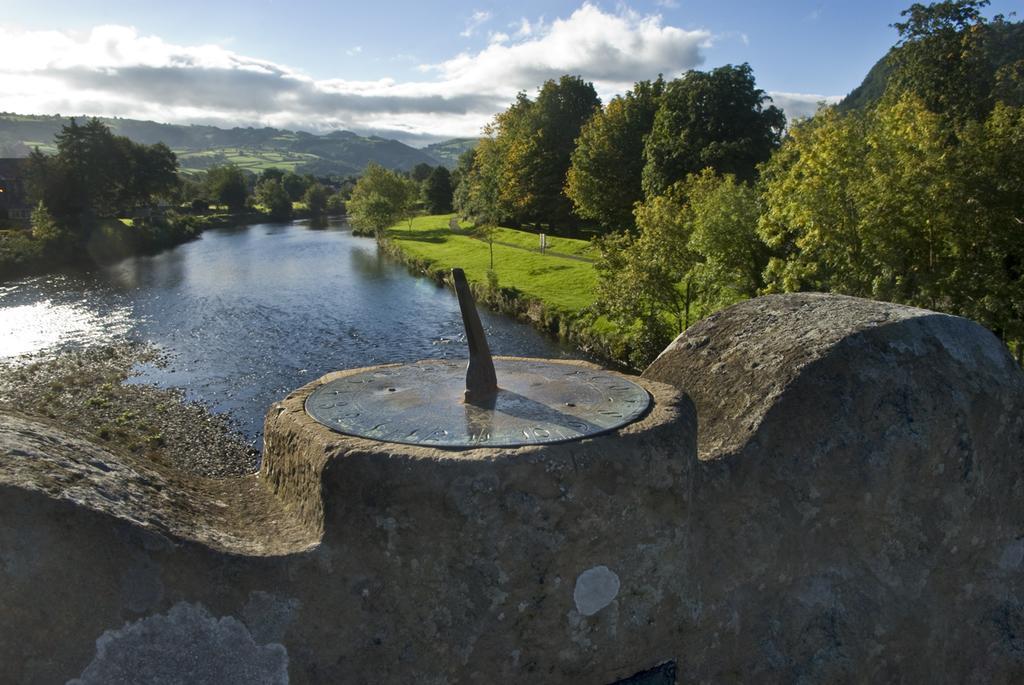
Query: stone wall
(858, 506)
(827, 489)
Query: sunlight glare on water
(44, 325)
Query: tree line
(701, 196)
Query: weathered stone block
(857, 507)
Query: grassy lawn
(563, 284)
(531, 241)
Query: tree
(696, 250)
(380, 198)
(152, 172)
(316, 199)
(892, 204)
(44, 227)
(605, 175)
(811, 218)
(272, 174)
(294, 185)
(273, 197)
(478, 197)
(227, 185)
(536, 140)
(437, 191)
(641, 279)
(714, 119)
(948, 55)
(99, 173)
(421, 172)
(722, 213)
(336, 204)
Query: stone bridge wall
(827, 489)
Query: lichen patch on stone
(595, 589)
(187, 645)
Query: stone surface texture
(349, 560)
(858, 507)
(826, 489)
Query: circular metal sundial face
(422, 404)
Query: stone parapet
(825, 489)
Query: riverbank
(85, 393)
(552, 290)
(102, 241)
(110, 240)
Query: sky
(416, 71)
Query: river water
(247, 314)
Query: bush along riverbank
(553, 291)
(91, 241)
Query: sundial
(487, 403)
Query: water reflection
(369, 263)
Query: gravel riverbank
(84, 392)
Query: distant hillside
(449, 151)
(200, 147)
(1006, 46)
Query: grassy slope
(566, 285)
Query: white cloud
(613, 50)
(354, 50)
(801, 105)
(479, 18)
(524, 28)
(668, 4)
(116, 71)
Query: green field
(252, 159)
(565, 285)
(46, 148)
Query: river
(246, 314)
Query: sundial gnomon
(489, 403)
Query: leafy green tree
(887, 204)
(722, 214)
(380, 198)
(716, 119)
(44, 227)
(949, 55)
(479, 195)
(421, 172)
(336, 203)
(315, 199)
(151, 171)
(812, 215)
(696, 250)
(274, 199)
(606, 170)
(986, 281)
(97, 172)
(536, 139)
(294, 185)
(437, 191)
(641, 279)
(227, 185)
(272, 174)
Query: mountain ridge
(200, 146)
